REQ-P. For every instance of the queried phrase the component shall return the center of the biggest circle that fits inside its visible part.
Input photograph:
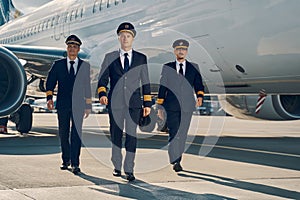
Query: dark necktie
(72, 71)
(181, 69)
(126, 62)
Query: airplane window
(109, 3)
(44, 25)
(96, 4)
(72, 16)
(76, 13)
(116, 2)
(52, 21)
(103, 4)
(82, 12)
(66, 17)
(40, 27)
(49, 23)
(123, 1)
(57, 19)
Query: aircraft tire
(24, 122)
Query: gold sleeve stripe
(160, 101)
(49, 93)
(147, 97)
(88, 101)
(200, 93)
(101, 89)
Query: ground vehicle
(98, 108)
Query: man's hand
(160, 114)
(87, 112)
(146, 111)
(50, 104)
(103, 100)
(199, 101)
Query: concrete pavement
(225, 158)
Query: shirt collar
(177, 63)
(122, 52)
(76, 60)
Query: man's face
(126, 40)
(180, 53)
(73, 50)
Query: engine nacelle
(13, 82)
(275, 107)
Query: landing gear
(3, 124)
(23, 118)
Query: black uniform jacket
(125, 88)
(176, 91)
(69, 92)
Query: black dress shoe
(130, 176)
(75, 170)
(64, 166)
(116, 172)
(177, 167)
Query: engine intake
(13, 82)
(275, 107)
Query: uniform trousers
(70, 145)
(178, 124)
(118, 118)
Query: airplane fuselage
(242, 45)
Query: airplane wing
(37, 60)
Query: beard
(180, 56)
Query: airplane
(245, 49)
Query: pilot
(179, 81)
(126, 69)
(72, 75)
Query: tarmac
(225, 158)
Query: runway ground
(225, 158)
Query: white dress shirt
(183, 67)
(75, 65)
(122, 57)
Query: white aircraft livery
(245, 49)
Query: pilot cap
(180, 43)
(73, 39)
(126, 27)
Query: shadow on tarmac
(253, 187)
(141, 190)
(281, 152)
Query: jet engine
(13, 82)
(275, 107)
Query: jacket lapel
(117, 62)
(188, 70)
(133, 60)
(66, 71)
(79, 65)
